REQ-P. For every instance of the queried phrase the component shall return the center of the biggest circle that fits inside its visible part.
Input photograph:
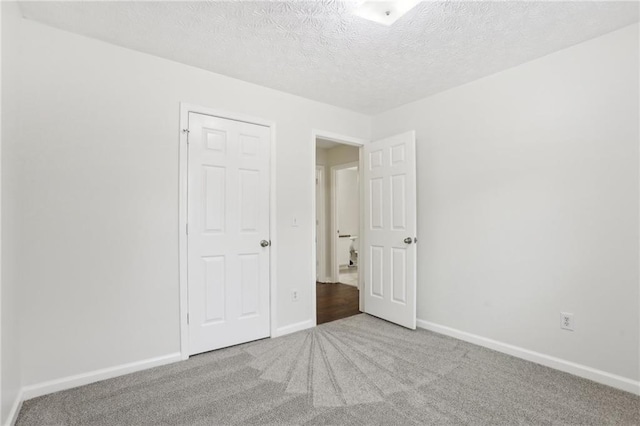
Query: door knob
(408, 240)
(265, 243)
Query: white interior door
(389, 239)
(228, 232)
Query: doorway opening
(338, 224)
(386, 253)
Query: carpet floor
(356, 371)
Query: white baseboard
(583, 371)
(15, 409)
(288, 329)
(33, 391)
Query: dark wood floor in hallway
(336, 301)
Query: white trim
(334, 137)
(272, 233)
(34, 391)
(15, 410)
(335, 265)
(321, 235)
(292, 328)
(361, 293)
(580, 370)
(182, 235)
(185, 109)
(346, 140)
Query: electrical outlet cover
(566, 321)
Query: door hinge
(186, 132)
(187, 318)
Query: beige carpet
(360, 370)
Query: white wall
(321, 156)
(321, 161)
(347, 198)
(10, 367)
(528, 203)
(342, 154)
(347, 210)
(96, 194)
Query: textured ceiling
(320, 50)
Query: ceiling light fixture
(384, 12)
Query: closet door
(228, 232)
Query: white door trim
(321, 236)
(335, 267)
(347, 140)
(185, 109)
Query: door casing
(185, 109)
(321, 259)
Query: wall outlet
(294, 295)
(566, 321)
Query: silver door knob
(265, 243)
(408, 240)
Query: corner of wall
(12, 415)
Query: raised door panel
(213, 196)
(249, 285)
(249, 203)
(398, 204)
(376, 266)
(214, 289)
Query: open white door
(389, 240)
(228, 232)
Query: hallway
(336, 301)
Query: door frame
(321, 235)
(335, 265)
(185, 109)
(345, 140)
